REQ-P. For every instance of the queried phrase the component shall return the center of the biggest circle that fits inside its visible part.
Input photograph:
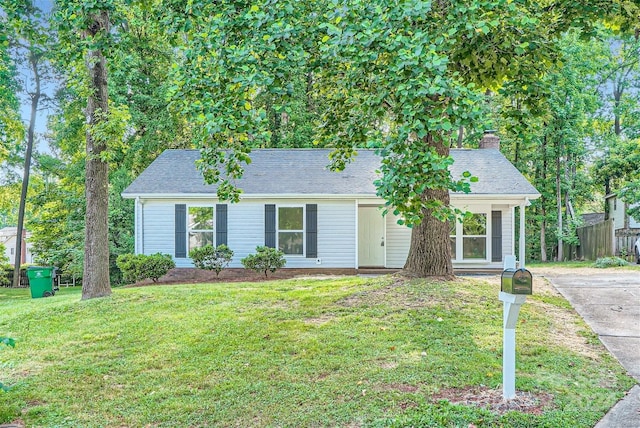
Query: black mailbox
(517, 281)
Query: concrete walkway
(609, 301)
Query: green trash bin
(40, 281)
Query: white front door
(371, 243)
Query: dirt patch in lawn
(491, 399)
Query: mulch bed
(195, 276)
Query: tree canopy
(402, 78)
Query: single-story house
(319, 218)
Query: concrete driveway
(609, 301)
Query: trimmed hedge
(265, 260)
(212, 258)
(138, 267)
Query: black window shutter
(181, 231)
(496, 236)
(312, 230)
(270, 225)
(221, 224)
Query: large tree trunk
(95, 282)
(430, 250)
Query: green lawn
(341, 352)
(579, 264)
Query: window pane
(452, 227)
(200, 239)
(200, 218)
(475, 225)
(290, 218)
(453, 248)
(290, 242)
(474, 248)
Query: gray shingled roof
(305, 172)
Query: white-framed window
(290, 229)
(469, 238)
(200, 226)
(474, 237)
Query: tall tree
(397, 76)
(96, 282)
(86, 28)
(30, 43)
(547, 124)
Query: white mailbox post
(515, 285)
(511, 308)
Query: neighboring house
(617, 210)
(625, 228)
(589, 219)
(319, 218)
(8, 238)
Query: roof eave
(477, 196)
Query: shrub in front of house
(265, 260)
(212, 258)
(606, 262)
(137, 267)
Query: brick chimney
(490, 140)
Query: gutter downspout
(139, 226)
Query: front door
(370, 237)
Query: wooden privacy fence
(596, 241)
(624, 240)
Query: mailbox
(517, 281)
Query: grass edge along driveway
(304, 352)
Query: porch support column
(355, 256)
(522, 235)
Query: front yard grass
(303, 352)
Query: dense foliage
(607, 262)
(265, 260)
(212, 258)
(138, 267)
(560, 85)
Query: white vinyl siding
(336, 235)
(397, 242)
(337, 231)
(507, 235)
(159, 228)
(245, 230)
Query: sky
(25, 75)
